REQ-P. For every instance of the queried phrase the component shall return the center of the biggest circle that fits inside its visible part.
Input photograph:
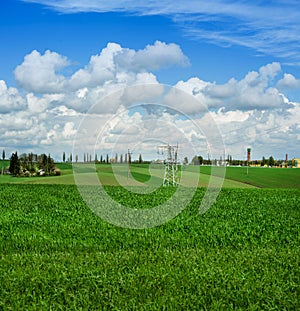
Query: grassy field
(243, 254)
(236, 177)
(263, 177)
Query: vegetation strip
(244, 253)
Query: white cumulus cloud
(10, 99)
(45, 115)
(42, 73)
(152, 57)
(254, 91)
(288, 82)
(39, 72)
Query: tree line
(106, 159)
(32, 165)
(43, 165)
(199, 160)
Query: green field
(262, 177)
(236, 177)
(242, 254)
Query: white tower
(171, 165)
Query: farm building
(296, 162)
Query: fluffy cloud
(137, 130)
(288, 82)
(153, 57)
(100, 69)
(44, 117)
(122, 65)
(197, 88)
(38, 73)
(267, 132)
(254, 91)
(272, 132)
(10, 99)
(184, 102)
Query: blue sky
(214, 50)
(26, 26)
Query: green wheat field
(242, 254)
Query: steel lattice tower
(171, 177)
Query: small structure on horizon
(296, 162)
(171, 165)
(248, 155)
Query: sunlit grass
(243, 253)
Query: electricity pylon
(171, 165)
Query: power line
(171, 177)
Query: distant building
(296, 162)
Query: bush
(57, 172)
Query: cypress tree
(14, 166)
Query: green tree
(14, 166)
(271, 161)
(46, 163)
(263, 161)
(3, 158)
(200, 159)
(140, 158)
(197, 160)
(24, 162)
(30, 161)
(42, 162)
(50, 165)
(64, 157)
